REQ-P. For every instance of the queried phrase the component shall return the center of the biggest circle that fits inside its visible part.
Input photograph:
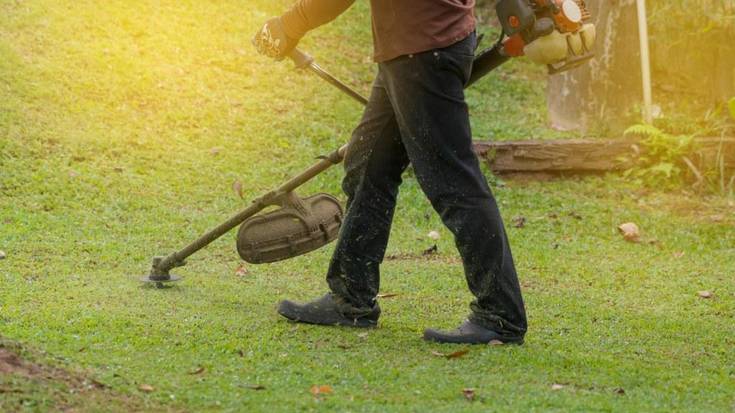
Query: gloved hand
(272, 40)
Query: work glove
(272, 40)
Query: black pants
(417, 114)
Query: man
(416, 114)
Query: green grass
(123, 126)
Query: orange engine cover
(513, 46)
(571, 15)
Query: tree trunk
(604, 94)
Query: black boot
(470, 333)
(329, 310)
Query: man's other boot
(470, 333)
(329, 310)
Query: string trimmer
(552, 32)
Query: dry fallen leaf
(557, 386)
(495, 343)
(237, 187)
(3, 255)
(678, 254)
(705, 294)
(147, 388)
(434, 235)
(198, 370)
(215, 150)
(387, 295)
(241, 271)
(94, 384)
(431, 251)
(619, 390)
(456, 354)
(519, 221)
(469, 394)
(319, 390)
(630, 232)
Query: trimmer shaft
(484, 63)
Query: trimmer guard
(299, 227)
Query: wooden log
(580, 156)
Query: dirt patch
(10, 363)
(25, 384)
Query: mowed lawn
(124, 126)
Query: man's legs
(427, 94)
(417, 111)
(374, 163)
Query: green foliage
(668, 161)
(661, 162)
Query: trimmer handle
(300, 59)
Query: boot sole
(336, 324)
(283, 310)
(459, 340)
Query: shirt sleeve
(307, 15)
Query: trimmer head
(160, 283)
(159, 276)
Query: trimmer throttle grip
(300, 59)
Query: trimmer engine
(557, 33)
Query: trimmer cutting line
(549, 31)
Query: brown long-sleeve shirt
(400, 27)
